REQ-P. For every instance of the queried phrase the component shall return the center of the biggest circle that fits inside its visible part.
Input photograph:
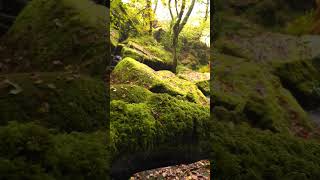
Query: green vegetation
(64, 101)
(54, 121)
(242, 152)
(266, 77)
(130, 71)
(56, 34)
(31, 151)
(53, 113)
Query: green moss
(302, 79)
(204, 87)
(233, 49)
(242, 152)
(130, 71)
(30, 151)
(251, 91)
(129, 93)
(151, 56)
(70, 31)
(63, 101)
(152, 46)
(301, 25)
(160, 121)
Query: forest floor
(196, 171)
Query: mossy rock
(49, 35)
(64, 101)
(149, 52)
(302, 78)
(204, 87)
(243, 152)
(193, 76)
(31, 151)
(252, 91)
(162, 127)
(129, 93)
(233, 49)
(130, 71)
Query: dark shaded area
(125, 166)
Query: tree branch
(176, 5)
(169, 6)
(186, 17)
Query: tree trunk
(149, 12)
(175, 59)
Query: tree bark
(178, 24)
(149, 12)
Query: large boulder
(243, 91)
(159, 132)
(64, 101)
(54, 34)
(31, 151)
(130, 71)
(302, 78)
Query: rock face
(130, 71)
(69, 31)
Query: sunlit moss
(130, 71)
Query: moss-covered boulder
(67, 102)
(246, 91)
(204, 87)
(302, 78)
(162, 128)
(129, 93)
(31, 151)
(243, 152)
(201, 80)
(50, 35)
(149, 52)
(130, 71)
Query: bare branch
(176, 5)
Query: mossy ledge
(147, 51)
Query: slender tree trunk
(149, 9)
(175, 58)
(178, 23)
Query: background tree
(178, 21)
